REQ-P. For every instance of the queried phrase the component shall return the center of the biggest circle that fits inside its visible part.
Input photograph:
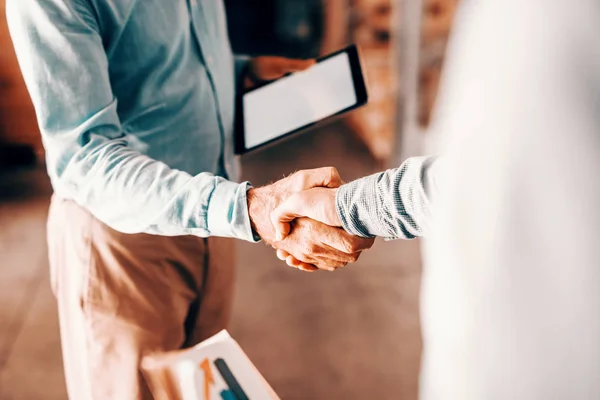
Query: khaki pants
(121, 296)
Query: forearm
(394, 204)
(90, 158)
(133, 193)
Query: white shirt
(511, 285)
(510, 209)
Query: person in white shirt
(510, 210)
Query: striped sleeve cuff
(392, 204)
(346, 200)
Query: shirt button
(209, 60)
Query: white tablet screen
(298, 100)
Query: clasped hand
(297, 216)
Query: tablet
(334, 85)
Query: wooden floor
(353, 334)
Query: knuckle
(330, 265)
(312, 247)
(338, 264)
(296, 177)
(354, 257)
(300, 174)
(368, 243)
(350, 246)
(306, 249)
(307, 226)
(333, 172)
(320, 265)
(326, 266)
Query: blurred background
(349, 335)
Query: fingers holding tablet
(332, 86)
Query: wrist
(251, 201)
(261, 202)
(334, 208)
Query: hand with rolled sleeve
(393, 204)
(124, 146)
(316, 245)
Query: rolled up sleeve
(394, 204)
(89, 157)
(228, 211)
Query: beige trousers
(121, 296)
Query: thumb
(307, 179)
(288, 210)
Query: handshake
(298, 217)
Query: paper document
(216, 369)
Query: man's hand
(262, 201)
(267, 68)
(312, 244)
(317, 204)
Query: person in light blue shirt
(135, 104)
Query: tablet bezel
(360, 89)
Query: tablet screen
(298, 100)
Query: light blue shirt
(135, 103)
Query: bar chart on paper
(218, 369)
(232, 391)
